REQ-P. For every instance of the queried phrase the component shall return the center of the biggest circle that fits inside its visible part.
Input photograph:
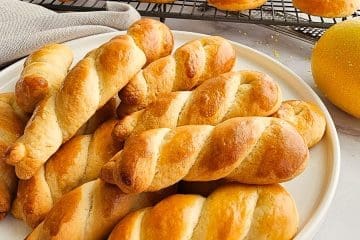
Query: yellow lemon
(336, 65)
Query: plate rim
(313, 224)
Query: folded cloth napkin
(25, 27)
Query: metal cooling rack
(272, 13)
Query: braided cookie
(190, 65)
(44, 71)
(87, 87)
(232, 211)
(234, 94)
(306, 117)
(91, 211)
(11, 127)
(78, 161)
(252, 150)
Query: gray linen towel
(25, 27)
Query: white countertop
(342, 219)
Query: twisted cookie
(190, 65)
(232, 211)
(306, 117)
(44, 71)
(253, 150)
(78, 161)
(234, 94)
(87, 87)
(236, 5)
(11, 127)
(91, 211)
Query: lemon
(336, 65)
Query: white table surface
(342, 221)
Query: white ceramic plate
(313, 190)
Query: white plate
(313, 190)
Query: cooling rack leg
(163, 8)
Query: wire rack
(273, 12)
(280, 15)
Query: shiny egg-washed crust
(78, 161)
(326, 8)
(236, 5)
(191, 64)
(87, 87)
(11, 127)
(252, 150)
(44, 71)
(65, 170)
(91, 211)
(233, 211)
(306, 117)
(153, 37)
(234, 94)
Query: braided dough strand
(77, 161)
(87, 87)
(252, 150)
(232, 211)
(191, 64)
(234, 94)
(91, 211)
